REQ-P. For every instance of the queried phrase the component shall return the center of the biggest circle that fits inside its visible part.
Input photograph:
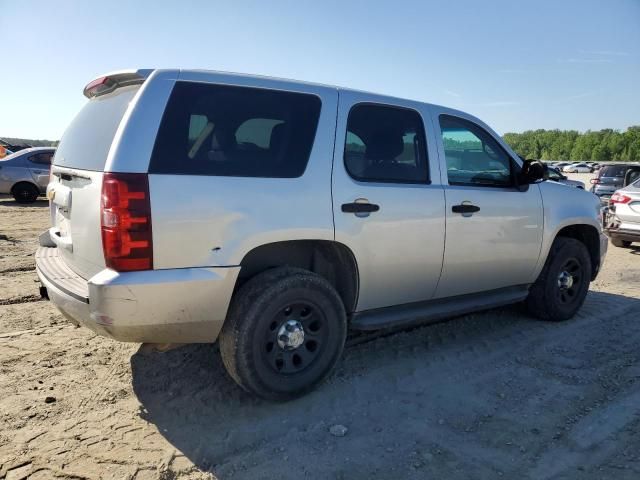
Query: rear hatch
(612, 175)
(77, 171)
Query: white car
(577, 168)
(623, 216)
(273, 216)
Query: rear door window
(222, 130)
(385, 144)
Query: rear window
(87, 141)
(235, 131)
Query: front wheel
(562, 286)
(284, 333)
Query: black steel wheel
(284, 333)
(562, 286)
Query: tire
(257, 350)
(24, 193)
(620, 243)
(547, 299)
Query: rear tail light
(619, 198)
(126, 222)
(595, 181)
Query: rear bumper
(157, 306)
(625, 235)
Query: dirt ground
(489, 395)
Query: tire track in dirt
(22, 299)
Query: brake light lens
(99, 86)
(595, 181)
(126, 222)
(619, 198)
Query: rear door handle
(465, 208)
(355, 207)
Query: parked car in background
(610, 177)
(555, 175)
(577, 168)
(309, 210)
(622, 220)
(559, 165)
(25, 174)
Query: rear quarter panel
(216, 220)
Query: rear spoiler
(112, 81)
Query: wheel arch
(332, 260)
(590, 237)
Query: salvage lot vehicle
(622, 218)
(274, 215)
(610, 178)
(577, 168)
(25, 173)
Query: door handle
(355, 207)
(465, 208)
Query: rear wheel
(284, 333)
(24, 193)
(562, 286)
(620, 243)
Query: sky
(518, 65)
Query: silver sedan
(25, 174)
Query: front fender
(564, 207)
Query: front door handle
(465, 208)
(360, 207)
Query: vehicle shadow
(398, 389)
(9, 201)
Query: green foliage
(599, 146)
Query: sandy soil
(481, 396)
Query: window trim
(513, 165)
(427, 181)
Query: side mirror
(532, 171)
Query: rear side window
(86, 142)
(235, 131)
(43, 158)
(385, 144)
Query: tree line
(594, 146)
(27, 141)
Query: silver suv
(273, 216)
